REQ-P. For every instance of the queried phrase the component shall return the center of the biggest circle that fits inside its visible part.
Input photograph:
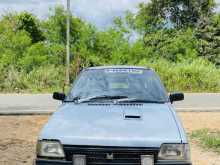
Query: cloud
(102, 12)
(37, 7)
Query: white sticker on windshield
(120, 70)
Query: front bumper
(60, 162)
(96, 155)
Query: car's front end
(126, 120)
(75, 136)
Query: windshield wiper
(75, 99)
(136, 100)
(101, 97)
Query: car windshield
(137, 84)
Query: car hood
(147, 125)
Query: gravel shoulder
(19, 134)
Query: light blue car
(116, 115)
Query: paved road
(44, 104)
(27, 104)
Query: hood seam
(177, 125)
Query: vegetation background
(179, 39)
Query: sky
(98, 12)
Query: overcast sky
(98, 12)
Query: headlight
(50, 149)
(178, 152)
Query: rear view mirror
(176, 97)
(59, 96)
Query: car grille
(121, 156)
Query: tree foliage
(184, 48)
(158, 14)
(208, 34)
(30, 24)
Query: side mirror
(59, 96)
(176, 97)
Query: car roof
(117, 67)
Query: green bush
(45, 79)
(12, 80)
(192, 76)
(35, 56)
(41, 79)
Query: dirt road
(18, 136)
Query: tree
(208, 34)
(13, 41)
(29, 23)
(55, 27)
(158, 14)
(82, 34)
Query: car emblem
(109, 156)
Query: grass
(208, 139)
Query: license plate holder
(147, 160)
